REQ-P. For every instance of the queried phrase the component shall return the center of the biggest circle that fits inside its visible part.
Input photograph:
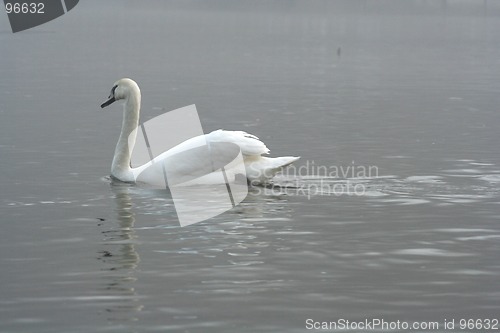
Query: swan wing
(190, 160)
(198, 156)
(249, 144)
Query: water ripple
(430, 252)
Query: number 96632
(25, 8)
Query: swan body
(258, 169)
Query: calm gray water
(410, 89)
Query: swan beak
(108, 102)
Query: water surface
(411, 89)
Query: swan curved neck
(120, 167)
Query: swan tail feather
(261, 170)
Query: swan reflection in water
(238, 229)
(120, 254)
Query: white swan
(259, 169)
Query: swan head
(121, 90)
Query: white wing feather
(250, 145)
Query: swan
(259, 169)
